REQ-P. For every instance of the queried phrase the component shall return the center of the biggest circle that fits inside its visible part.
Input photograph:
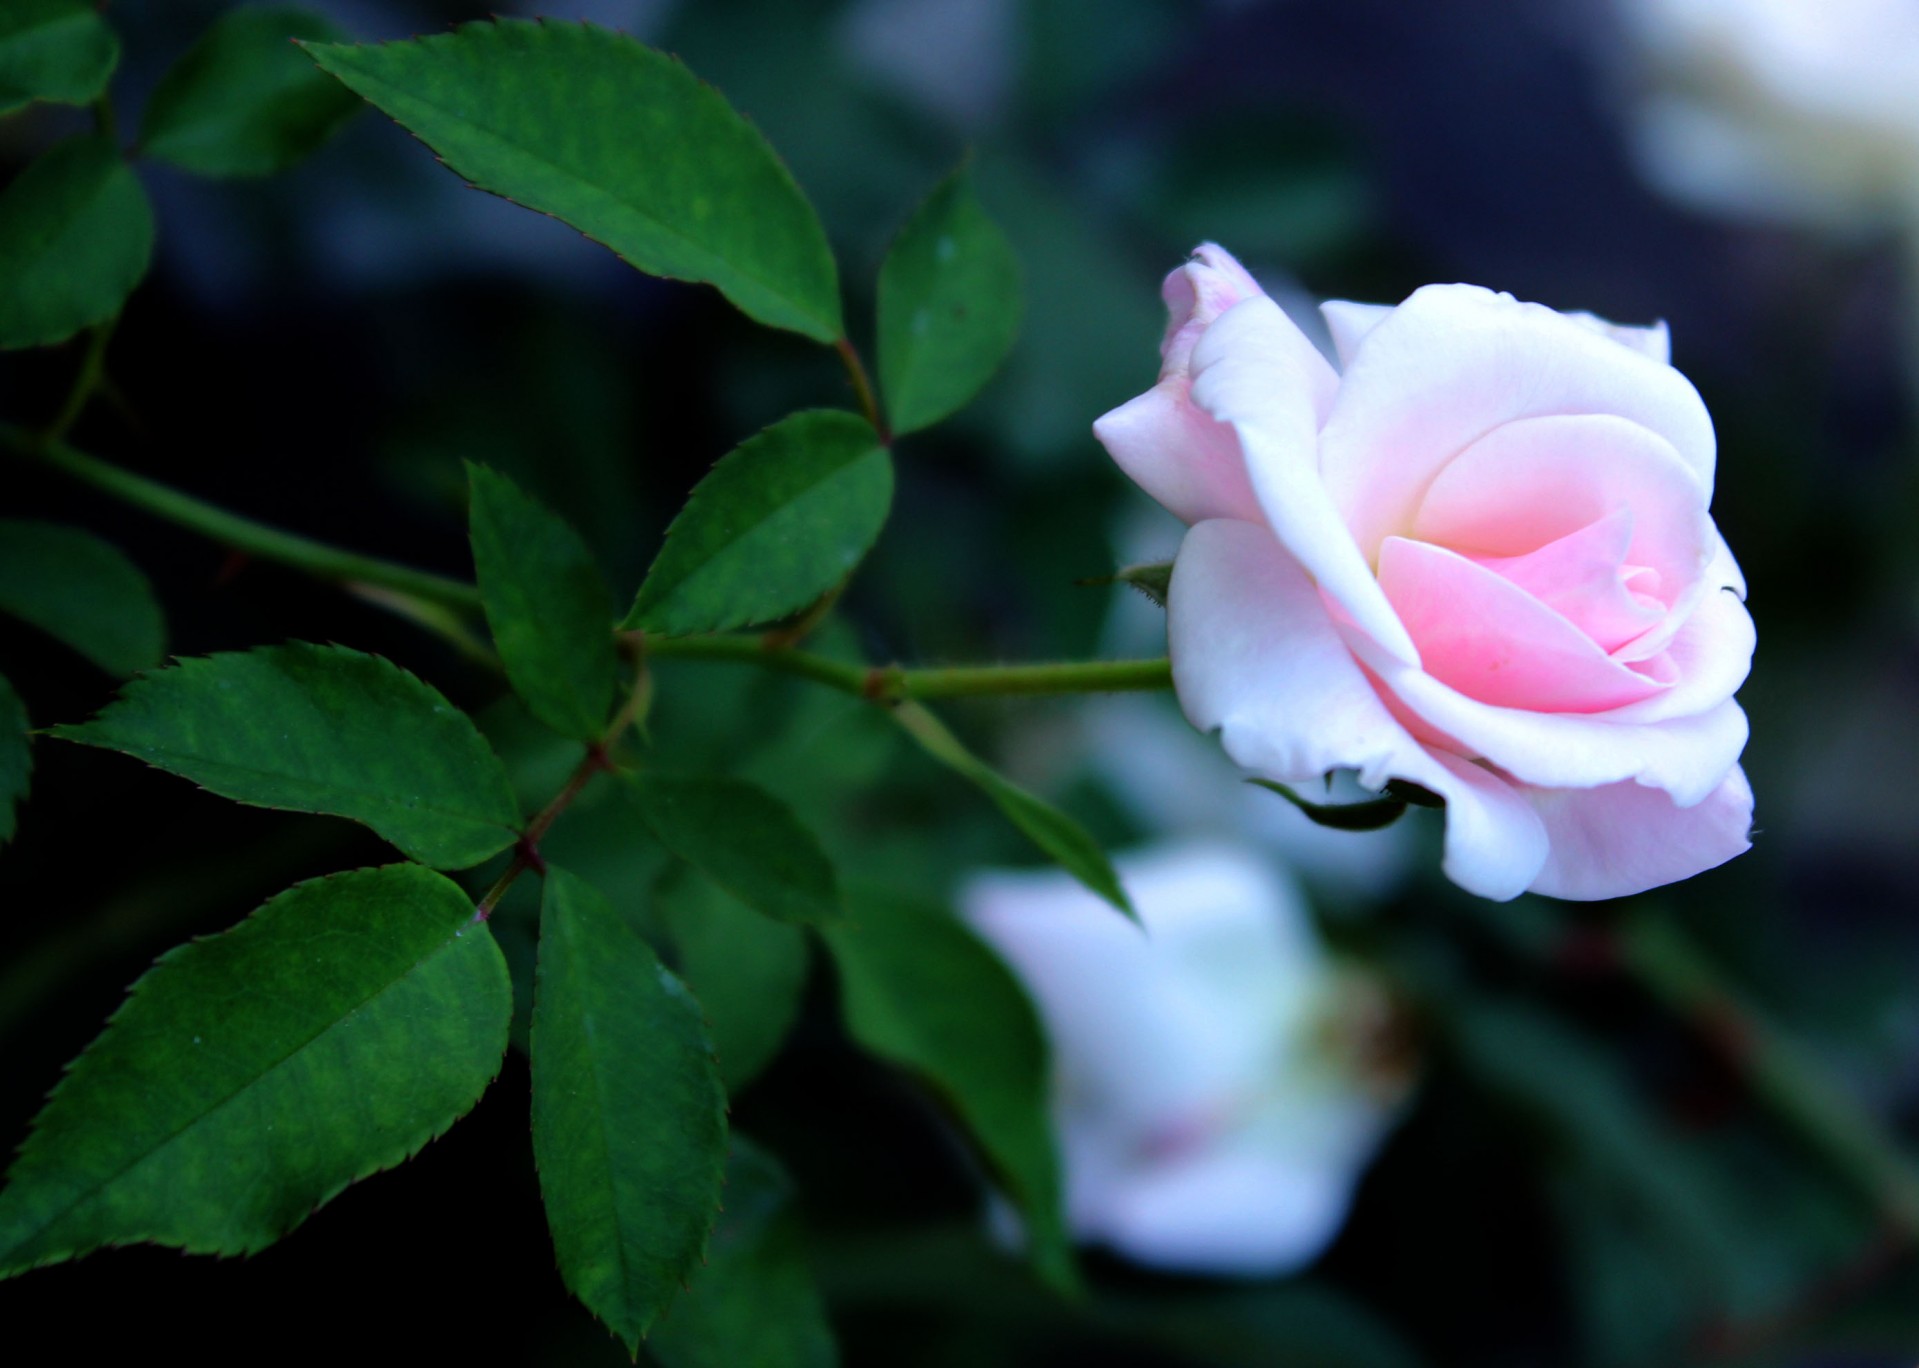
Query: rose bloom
(1477, 558)
(1785, 109)
(1218, 1085)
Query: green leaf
(748, 971)
(547, 606)
(949, 307)
(778, 521)
(75, 587)
(320, 729)
(1063, 840)
(250, 1076)
(623, 143)
(1371, 814)
(16, 757)
(743, 839)
(1153, 580)
(755, 1304)
(629, 1119)
(59, 50)
(919, 989)
(244, 101)
(75, 237)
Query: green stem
(241, 533)
(863, 388)
(92, 368)
(1779, 1072)
(893, 683)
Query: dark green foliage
(244, 101)
(75, 238)
(251, 1076)
(320, 729)
(1058, 835)
(949, 307)
(921, 990)
(76, 587)
(546, 604)
(629, 1118)
(623, 143)
(748, 971)
(58, 50)
(754, 1304)
(779, 520)
(743, 839)
(16, 758)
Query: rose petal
(1349, 323)
(1583, 577)
(1455, 362)
(1533, 482)
(1625, 838)
(1257, 657)
(1196, 294)
(1178, 455)
(1256, 372)
(1687, 756)
(1493, 641)
(1652, 341)
(1711, 656)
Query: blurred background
(1680, 1129)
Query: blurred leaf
(1371, 814)
(779, 520)
(754, 1305)
(76, 587)
(1154, 580)
(244, 101)
(949, 307)
(743, 839)
(16, 758)
(747, 970)
(629, 1119)
(920, 990)
(250, 1076)
(320, 729)
(59, 50)
(1059, 836)
(546, 604)
(623, 143)
(75, 238)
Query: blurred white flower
(1783, 109)
(1219, 1086)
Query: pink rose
(1479, 559)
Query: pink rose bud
(1478, 558)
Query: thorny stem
(863, 389)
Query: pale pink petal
(1257, 373)
(1584, 577)
(1625, 838)
(1711, 655)
(1686, 756)
(1454, 363)
(1181, 457)
(1493, 641)
(1533, 482)
(1196, 294)
(1652, 341)
(1349, 323)
(1256, 656)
